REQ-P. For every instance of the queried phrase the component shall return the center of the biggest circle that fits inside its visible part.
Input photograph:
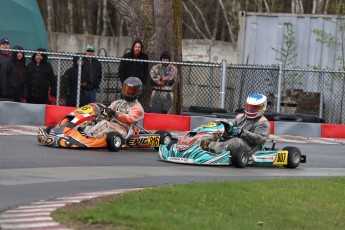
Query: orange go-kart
(66, 133)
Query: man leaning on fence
(40, 78)
(93, 70)
(8, 73)
(135, 67)
(163, 77)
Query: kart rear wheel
(114, 141)
(239, 157)
(165, 138)
(294, 157)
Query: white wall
(192, 49)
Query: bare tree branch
(266, 6)
(70, 16)
(49, 15)
(202, 18)
(232, 39)
(191, 29)
(99, 15)
(105, 18)
(193, 20)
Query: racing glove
(108, 112)
(239, 131)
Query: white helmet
(255, 105)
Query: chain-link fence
(219, 85)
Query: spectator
(93, 71)
(163, 77)
(71, 84)
(134, 68)
(40, 78)
(18, 59)
(8, 74)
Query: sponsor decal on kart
(180, 160)
(85, 109)
(152, 141)
(210, 124)
(281, 158)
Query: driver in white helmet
(121, 113)
(251, 128)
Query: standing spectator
(8, 74)
(40, 78)
(93, 71)
(163, 77)
(71, 84)
(18, 59)
(134, 68)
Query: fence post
(58, 83)
(223, 86)
(79, 80)
(279, 95)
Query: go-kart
(66, 133)
(193, 148)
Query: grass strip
(316, 203)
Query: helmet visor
(253, 109)
(129, 90)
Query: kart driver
(251, 128)
(121, 113)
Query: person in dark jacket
(71, 84)
(40, 78)
(18, 59)
(93, 71)
(134, 68)
(8, 74)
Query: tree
(159, 25)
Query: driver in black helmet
(122, 113)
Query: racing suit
(162, 80)
(255, 133)
(126, 114)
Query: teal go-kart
(193, 148)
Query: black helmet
(131, 88)
(166, 55)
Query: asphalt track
(30, 172)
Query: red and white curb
(37, 215)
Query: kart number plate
(153, 141)
(281, 158)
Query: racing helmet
(255, 105)
(131, 88)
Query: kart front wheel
(49, 128)
(294, 157)
(171, 144)
(239, 157)
(114, 141)
(165, 138)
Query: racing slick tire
(165, 138)
(114, 141)
(49, 128)
(294, 157)
(239, 157)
